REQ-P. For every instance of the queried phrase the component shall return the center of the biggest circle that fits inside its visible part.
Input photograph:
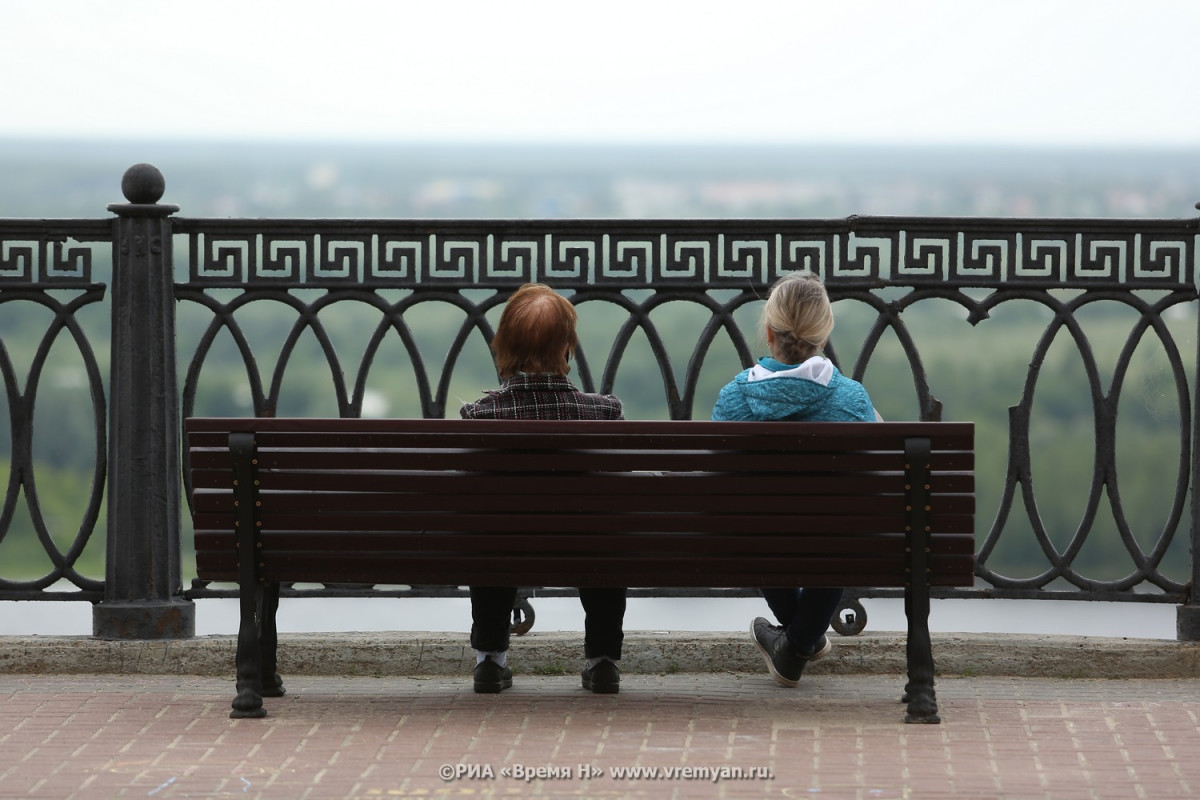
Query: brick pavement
(103, 736)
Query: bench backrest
(614, 503)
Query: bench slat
(358, 542)
(647, 570)
(577, 461)
(792, 524)
(540, 504)
(596, 483)
(651, 433)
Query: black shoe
(491, 678)
(783, 661)
(604, 678)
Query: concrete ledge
(655, 652)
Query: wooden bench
(568, 504)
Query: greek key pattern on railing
(51, 254)
(866, 251)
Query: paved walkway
(163, 736)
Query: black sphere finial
(143, 184)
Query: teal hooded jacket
(814, 391)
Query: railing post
(143, 593)
(1187, 616)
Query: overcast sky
(1018, 72)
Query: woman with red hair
(533, 346)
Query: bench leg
(922, 703)
(252, 597)
(918, 692)
(268, 642)
(248, 702)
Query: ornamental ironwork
(693, 254)
(229, 272)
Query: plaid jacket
(541, 397)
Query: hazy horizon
(1024, 72)
(53, 177)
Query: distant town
(318, 179)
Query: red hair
(536, 333)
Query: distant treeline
(230, 179)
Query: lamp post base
(1187, 623)
(146, 619)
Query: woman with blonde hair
(796, 382)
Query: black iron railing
(402, 310)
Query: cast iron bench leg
(248, 702)
(268, 642)
(918, 693)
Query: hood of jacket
(814, 391)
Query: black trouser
(805, 613)
(603, 613)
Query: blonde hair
(536, 333)
(799, 315)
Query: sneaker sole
(780, 679)
(493, 688)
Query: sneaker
(491, 678)
(604, 678)
(783, 660)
